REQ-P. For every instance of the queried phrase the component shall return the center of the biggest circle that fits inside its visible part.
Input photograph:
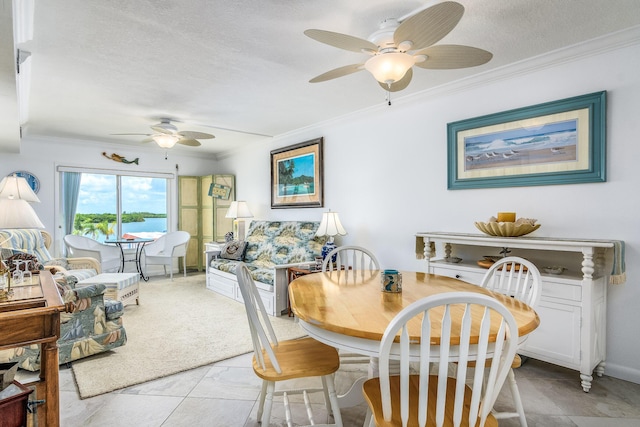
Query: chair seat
(299, 358)
(371, 391)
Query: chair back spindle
(516, 277)
(355, 258)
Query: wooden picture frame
(297, 175)
(559, 142)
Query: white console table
(572, 306)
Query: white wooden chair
(357, 260)
(108, 256)
(520, 279)
(423, 399)
(350, 257)
(167, 247)
(275, 360)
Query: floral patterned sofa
(271, 247)
(92, 324)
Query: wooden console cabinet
(32, 316)
(573, 304)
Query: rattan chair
(165, 249)
(108, 256)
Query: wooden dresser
(32, 316)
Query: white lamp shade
(239, 209)
(166, 141)
(16, 187)
(389, 67)
(17, 213)
(330, 225)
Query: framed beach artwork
(296, 175)
(559, 142)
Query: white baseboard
(622, 372)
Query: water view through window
(142, 201)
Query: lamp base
(328, 247)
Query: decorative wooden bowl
(506, 229)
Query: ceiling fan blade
(450, 56)
(337, 72)
(427, 27)
(147, 140)
(400, 84)
(130, 134)
(341, 41)
(190, 142)
(195, 135)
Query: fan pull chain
(389, 97)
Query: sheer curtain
(70, 190)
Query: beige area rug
(178, 326)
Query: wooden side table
(32, 316)
(293, 273)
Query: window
(112, 205)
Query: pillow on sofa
(234, 250)
(27, 240)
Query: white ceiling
(118, 66)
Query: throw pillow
(234, 250)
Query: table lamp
(16, 212)
(330, 226)
(239, 210)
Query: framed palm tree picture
(296, 175)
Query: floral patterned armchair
(92, 323)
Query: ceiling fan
(399, 44)
(166, 135)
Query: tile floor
(224, 394)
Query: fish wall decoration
(118, 158)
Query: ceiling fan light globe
(389, 67)
(165, 141)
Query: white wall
(385, 171)
(41, 157)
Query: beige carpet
(178, 326)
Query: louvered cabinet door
(189, 216)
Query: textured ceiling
(105, 67)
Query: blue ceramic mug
(391, 281)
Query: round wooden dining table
(347, 309)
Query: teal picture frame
(558, 142)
